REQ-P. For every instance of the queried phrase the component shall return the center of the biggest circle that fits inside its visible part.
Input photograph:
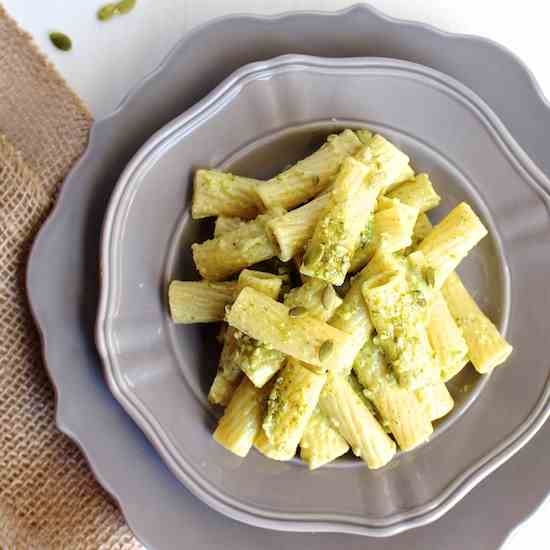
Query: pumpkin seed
(325, 350)
(297, 311)
(61, 41)
(125, 6)
(106, 12)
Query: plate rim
(61, 394)
(185, 471)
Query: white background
(109, 58)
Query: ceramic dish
(160, 373)
(85, 406)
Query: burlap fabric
(48, 496)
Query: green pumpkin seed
(61, 41)
(297, 311)
(125, 6)
(106, 12)
(325, 350)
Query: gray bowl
(261, 118)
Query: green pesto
(61, 41)
(371, 369)
(253, 356)
(326, 350)
(367, 233)
(292, 409)
(402, 340)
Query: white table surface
(109, 58)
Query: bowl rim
(200, 486)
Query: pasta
(417, 192)
(393, 224)
(436, 400)
(487, 349)
(220, 194)
(341, 315)
(303, 337)
(291, 403)
(243, 354)
(389, 165)
(242, 419)
(266, 283)
(293, 230)
(310, 176)
(316, 296)
(200, 301)
(450, 240)
(337, 233)
(225, 224)
(352, 418)
(400, 410)
(399, 312)
(446, 338)
(321, 442)
(223, 256)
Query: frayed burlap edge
(48, 497)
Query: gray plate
(159, 372)
(85, 406)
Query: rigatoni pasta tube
(218, 193)
(399, 409)
(472, 322)
(225, 224)
(243, 353)
(394, 225)
(446, 338)
(436, 400)
(217, 259)
(292, 387)
(222, 389)
(199, 301)
(417, 192)
(336, 235)
(321, 442)
(487, 348)
(291, 403)
(399, 314)
(353, 315)
(421, 230)
(302, 337)
(242, 419)
(451, 240)
(266, 283)
(388, 164)
(310, 176)
(316, 297)
(292, 230)
(352, 418)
